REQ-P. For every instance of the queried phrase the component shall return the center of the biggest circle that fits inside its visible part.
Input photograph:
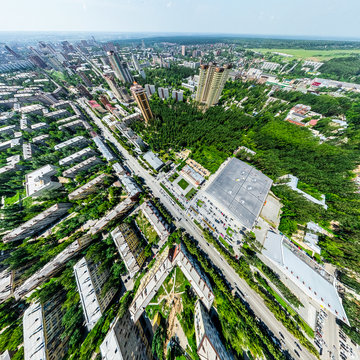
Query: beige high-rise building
(183, 50)
(142, 100)
(212, 79)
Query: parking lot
(210, 216)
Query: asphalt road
(255, 301)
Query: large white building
(307, 274)
(239, 190)
(41, 180)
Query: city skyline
(263, 18)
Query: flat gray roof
(153, 160)
(241, 190)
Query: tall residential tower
(120, 68)
(212, 79)
(141, 98)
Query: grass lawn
(146, 228)
(200, 203)
(173, 176)
(183, 184)
(180, 281)
(321, 55)
(191, 193)
(160, 292)
(230, 231)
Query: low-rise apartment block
(209, 344)
(27, 151)
(35, 109)
(106, 153)
(39, 139)
(156, 220)
(129, 247)
(10, 144)
(118, 211)
(84, 165)
(37, 223)
(67, 120)
(39, 126)
(43, 327)
(192, 175)
(119, 170)
(90, 281)
(77, 140)
(88, 188)
(72, 125)
(11, 164)
(131, 187)
(9, 129)
(41, 180)
(73, 158)
(153, 160)
(123, 341)
(58, 114)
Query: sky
(322, 18)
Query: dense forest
(342, 68)
(172, 76)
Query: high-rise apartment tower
(212, 79)
(120, 67)
(141, 98)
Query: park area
(174, 305)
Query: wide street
(255, 301)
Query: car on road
(295, 351)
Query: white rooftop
(153, 160)
(309, 276)
(40, 179)
(34, 337)
(89, 301)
